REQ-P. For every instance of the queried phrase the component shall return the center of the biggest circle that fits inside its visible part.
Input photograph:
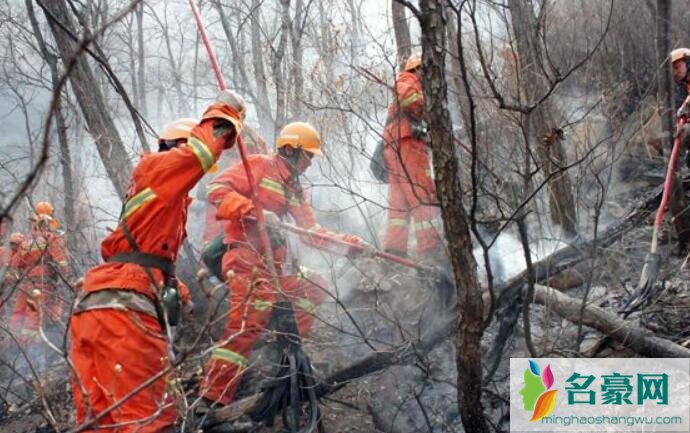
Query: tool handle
(263, 234)
(361, 248)
(670, 171)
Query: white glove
(234, 100)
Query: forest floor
(393, 306)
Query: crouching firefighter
(254, 294)
(119, 345)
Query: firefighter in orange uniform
(38, 265)
(252, 292)
(118, 339)
(412, 195)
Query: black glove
(419, 130)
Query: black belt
(146, 260)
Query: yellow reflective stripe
(397, 222)
(423, 225)
(306, 305)
(229, 356)
(272, 186)
(212, 187)
(278, 188)
(202, 152)
(141, 198)
(261, 305)
(62, 263)
(409, 100)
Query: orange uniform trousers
(113, 352)
(252, 295)
(411, 197)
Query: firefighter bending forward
(252, 291)
(117, 339)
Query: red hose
(207, 43)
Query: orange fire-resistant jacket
(408, 104)
(40, 257)
(277, 193)
(156, 210)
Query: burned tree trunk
(61, 127)
(402, 33)
(93, 107)
(454, 38)
(277, 56)
(263, 105)
(141, 67)
(541, 121)
(296, 75)
(663, 92)
(455, 219)
(625, 332)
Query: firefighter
(252, 289)
(680, 63)
(38, 265)
(680, 60)
(119, 320)
(412, 194)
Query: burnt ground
(392, 305)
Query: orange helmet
(44, 208)
(300, 135)
(413, 62)
(679, 53)
(180, 129)
(16, 238)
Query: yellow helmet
(44, 208)
(413, 62)
(180, 129)
(679, 53)
(300, 135)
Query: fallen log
(509, 300)
(622, 331)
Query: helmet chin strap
(291, 156)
